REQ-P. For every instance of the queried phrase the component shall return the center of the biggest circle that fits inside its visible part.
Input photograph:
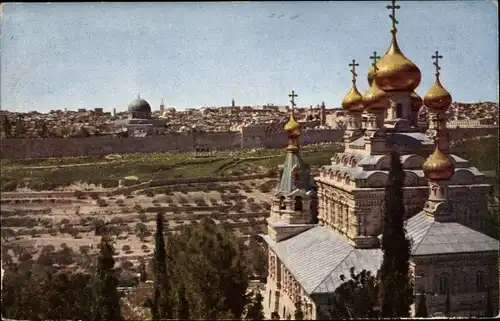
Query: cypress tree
(298, 314)
(396, 288)
(422, 306)
(182, 305)
(160, 308)
(106, 300)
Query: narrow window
(298, 203)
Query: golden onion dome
(375, 98)
(416, 101)
(352, 101)
(437, 97)
(292, 127)
(438, 166)
(395, 71)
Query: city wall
(255, 136)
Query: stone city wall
(254, 136)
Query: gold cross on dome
(293, 95)
(436, 57)
(375, 58)
(353, 66)
(393, 7)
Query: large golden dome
(353, 100)
(395, 71)
(437, 97)
(375, 98)
(438, 166)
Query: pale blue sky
(56, 56)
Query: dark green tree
(161, 307)
(275, 316)
(255, 310)
(354, 298)
(395, 288)
(208, 260)
(447, 304)
(298, 314)
(422, 306)
(106, 299)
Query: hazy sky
(56, 56)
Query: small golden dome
(292, 126)
(416, 101)
(375, 98)
(437, 97)
(438, 166)
(396, 72)
(352, 101)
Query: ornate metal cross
(436, 57)
(375, 58)
(393, 8)
(138, 96)
(293, 95)
(353, 66)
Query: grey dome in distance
(139, 105)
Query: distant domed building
(139, 109)
(139, 122)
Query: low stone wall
(264, 136)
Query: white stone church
(445, 201)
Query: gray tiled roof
(287, 183)
(410, 139)
(317, 258)
(431, 237)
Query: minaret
(398, 77)
(352, 104)
(375, 103)
(162, 105)
(439, 169)
(294, 195)
(437, 100)
(323, 114)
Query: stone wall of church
(467, 277)
(282, 291)
(254, 136)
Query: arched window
(282, 203)
(399, 110)
(480, 280)
(443, 284)
(270, 294)
(298, 203)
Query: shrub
(130, 182)
(120, 202)
(110, 183)
(101, 202)
(126, 248)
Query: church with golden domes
(319, 228)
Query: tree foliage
(396, 288)
(161, 307)
(255, 310)
(354, 298)
(106, 299)
(208, 268)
